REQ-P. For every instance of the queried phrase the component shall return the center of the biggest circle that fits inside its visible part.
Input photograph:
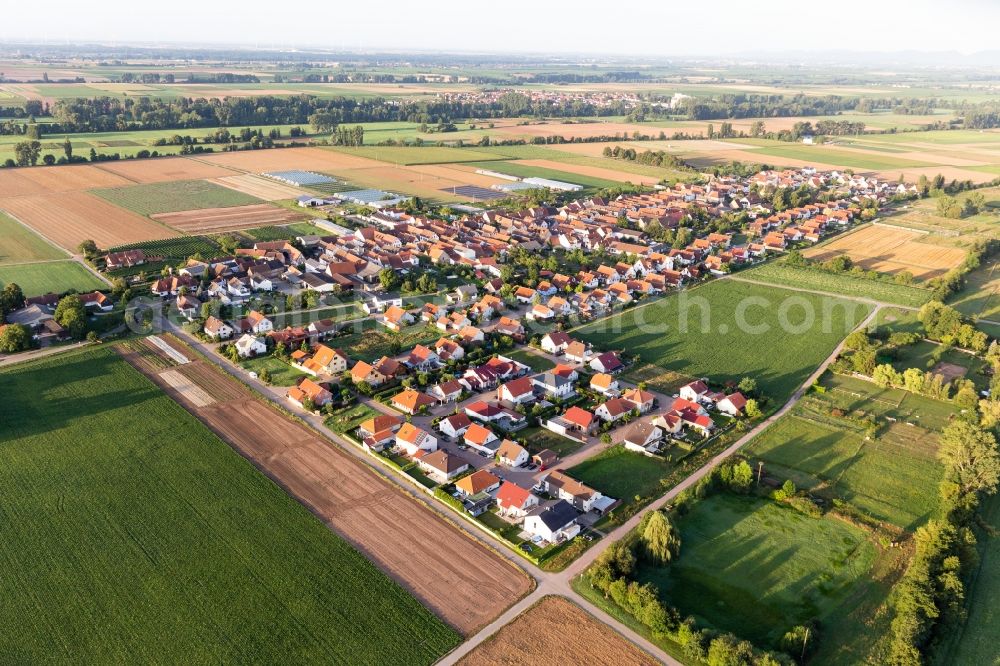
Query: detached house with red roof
(411, 401)
(515, 502)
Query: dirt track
(556, 631)
(466, 584)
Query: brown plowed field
(257, 186)
(13, 183)
(73, 177)
(556, 631)
(68, 218)
(209, 220)
(891, 250)
(163, 169)
(465, 583)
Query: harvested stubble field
(573, 130)
(174, 196)
(413, 155)
(462, 581)
(68, 218)
(259, 187)
(323, 160)
(149, 540)
(890, 250)
(71, 178)
(211, 220)
(161, 169)
(556, 631)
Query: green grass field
(758, 568)
(921, 355)
(726, 330)
(537, 439)
(622, 474)
(18, 244)
(525, 171)
(534, 361)
(976, 643)
(148, 539)
(779, 273)
(50, 276)
(350, 418)
(282, 374)
(170, 197)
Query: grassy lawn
(781, 274)
(52, 276)
(700, 333)
(757, 568)
(833, 156)
(536, 439)
(148, 539)
(348, 419)
(622, 474)
(20, 244)
(169, 197)
(981, 296)
(534, 361)
(282, 374)
(369, 344)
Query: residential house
(470, 335)
(481, 438)
(545, 459)
(378, 431)
(517, 391)
(412, 401)
(412, 439)
(540, 312)
(580, 496)
(455, 425)
(641, 400)
(577, 352)
(478, 482)
(580, 419)
(449, 391)
(556, 342)
(512, 454)
(324, 361)
(553, 385)
(259, 323)
(554, 523)
(733, 404)
(249, 346)
(442, 467)
(613, 410)
(695, 391)
(607, 363)
(422, 358)
(642, 437)
(396, 318)
(364, 372)
(513, 501)
(604, 384)
(307, 389)
(217, 329)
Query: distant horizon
(589, 29)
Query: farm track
(462, 582)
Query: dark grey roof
(557, 515)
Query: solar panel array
(300, 178)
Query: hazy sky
(647, 27)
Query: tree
(11, 298)
(88, 248)
(388, 279)
(661, 542)
(68, 149)
(71, 314)
(748, 387)
(264, 375)
(26, 153)
(14, 338)
(969, 454)
(752, 409)
(742, 477)
(885, 376)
